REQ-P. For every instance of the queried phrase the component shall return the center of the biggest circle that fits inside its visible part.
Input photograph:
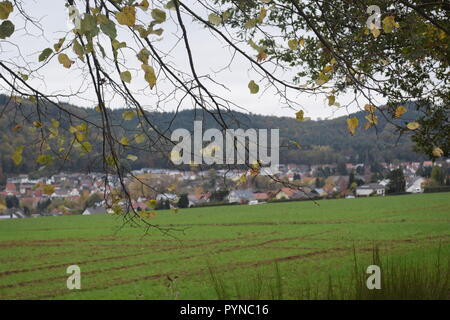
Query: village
(154, 189)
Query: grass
(400, 280)
(235, 251)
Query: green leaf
(158, 15)
(45, 54)
(143, 56)
(24, 76)
(118, 45)
(6, 29)
(125, 76)
(6, 8)
(78, 49)
(109, 28)
(254, 88)
(89, 25)
(59, 44)
(170, 5)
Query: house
(261, 196)
(198, 199)
(13, 213)
(166, 196)
(285, 193)
(241, 196)
(97, 210)
(368, 189)
(416, 185)
(320, 192)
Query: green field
(308, 243)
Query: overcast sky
(210, 55)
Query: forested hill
(321, 142)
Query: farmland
(308, 243)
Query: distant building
(416, 186)
(97, 210)
(240, 196)
(368, 189)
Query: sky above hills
(211, 57)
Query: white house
(416, 186)
(368, 189)
(97, 210)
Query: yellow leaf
(144, 5)
(128, 115)
(300, 115)
(214, 19)
(150, 75)
(151, 204)
(293, 44)
(6, 8)
(372, 118)
(139, 138)
(65, 61)
(17, 155)
(132, 157)
(37, 124)
(352, 124)
(48, 189)
(254, 88)
(413, 125)
(401, 110)
(327, 69)
(262, 15)
(370, 108)
(127, 16)
(295, 143)
(375, 32)
(124, 141)
(438, 152)
(331, 100)
(243, 179)
(389, 24)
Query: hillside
(325, 141)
